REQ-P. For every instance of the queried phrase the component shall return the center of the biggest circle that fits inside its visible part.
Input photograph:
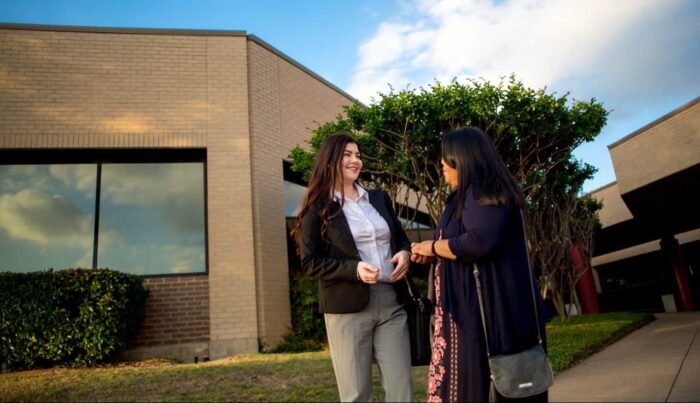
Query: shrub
(75, 317)
(308, 332)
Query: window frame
(118, 156)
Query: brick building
(647, 255)
(160, 153)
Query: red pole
(585, 287)
(680, 272)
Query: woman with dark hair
(481, 224)
(351, 240)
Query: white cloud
(155, 258)
(79, 176)
(184, 257)
(543, 42)
(18, 177)
(48, 220)
(366, 83)
(85, 261)
(386, 46)
(177, 190)
(150, 184)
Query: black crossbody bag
(419, 310)
(523, 374)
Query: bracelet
(432, 248)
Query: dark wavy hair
(479, 167)
(326, 173)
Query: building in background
(647, 255)
(159, 153)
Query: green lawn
(580, 336)
(267, 377)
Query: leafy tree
(558, 219)
(533, 130)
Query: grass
(575, 339)
(267, 377)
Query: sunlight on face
(351, 163)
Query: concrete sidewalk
(659, 362)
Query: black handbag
(419, 310)
(523, 374)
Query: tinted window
(46, 216)
(152, 218)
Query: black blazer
(334, 258)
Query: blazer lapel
(344, 228)
(377, 202)
(376, 198)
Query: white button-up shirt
(370, 231)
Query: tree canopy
(534, 131)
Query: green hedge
(74, 317)
(308, 332)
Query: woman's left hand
(401, 260)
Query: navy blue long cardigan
(491, 237)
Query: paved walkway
(659, 362)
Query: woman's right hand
(367, 273)
(421, 252)
(422, 259)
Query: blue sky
(641, 58)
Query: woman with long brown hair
(351, 240)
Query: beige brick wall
(177, 311)
(80, 89)
(642, 158)
(614, 209)
(119, 89)
(236, 96)
(305, 104)
(286, 102)
(268, 204)
(233, 304)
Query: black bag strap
(415, 294)
(529, 271)
(532, 286)
(412, 288)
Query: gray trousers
(379, 331)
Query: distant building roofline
(121, 30)
(655, 122)
(301, 66)
(613, 183)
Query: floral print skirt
(458, 369)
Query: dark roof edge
(301, 66)
(601, 188)
(119, 30)
(655, 122)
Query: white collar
(360, 190)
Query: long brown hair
(481, 168)
(326, 173)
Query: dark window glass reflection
(152, 218)
(46, 216)
(293, 197)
